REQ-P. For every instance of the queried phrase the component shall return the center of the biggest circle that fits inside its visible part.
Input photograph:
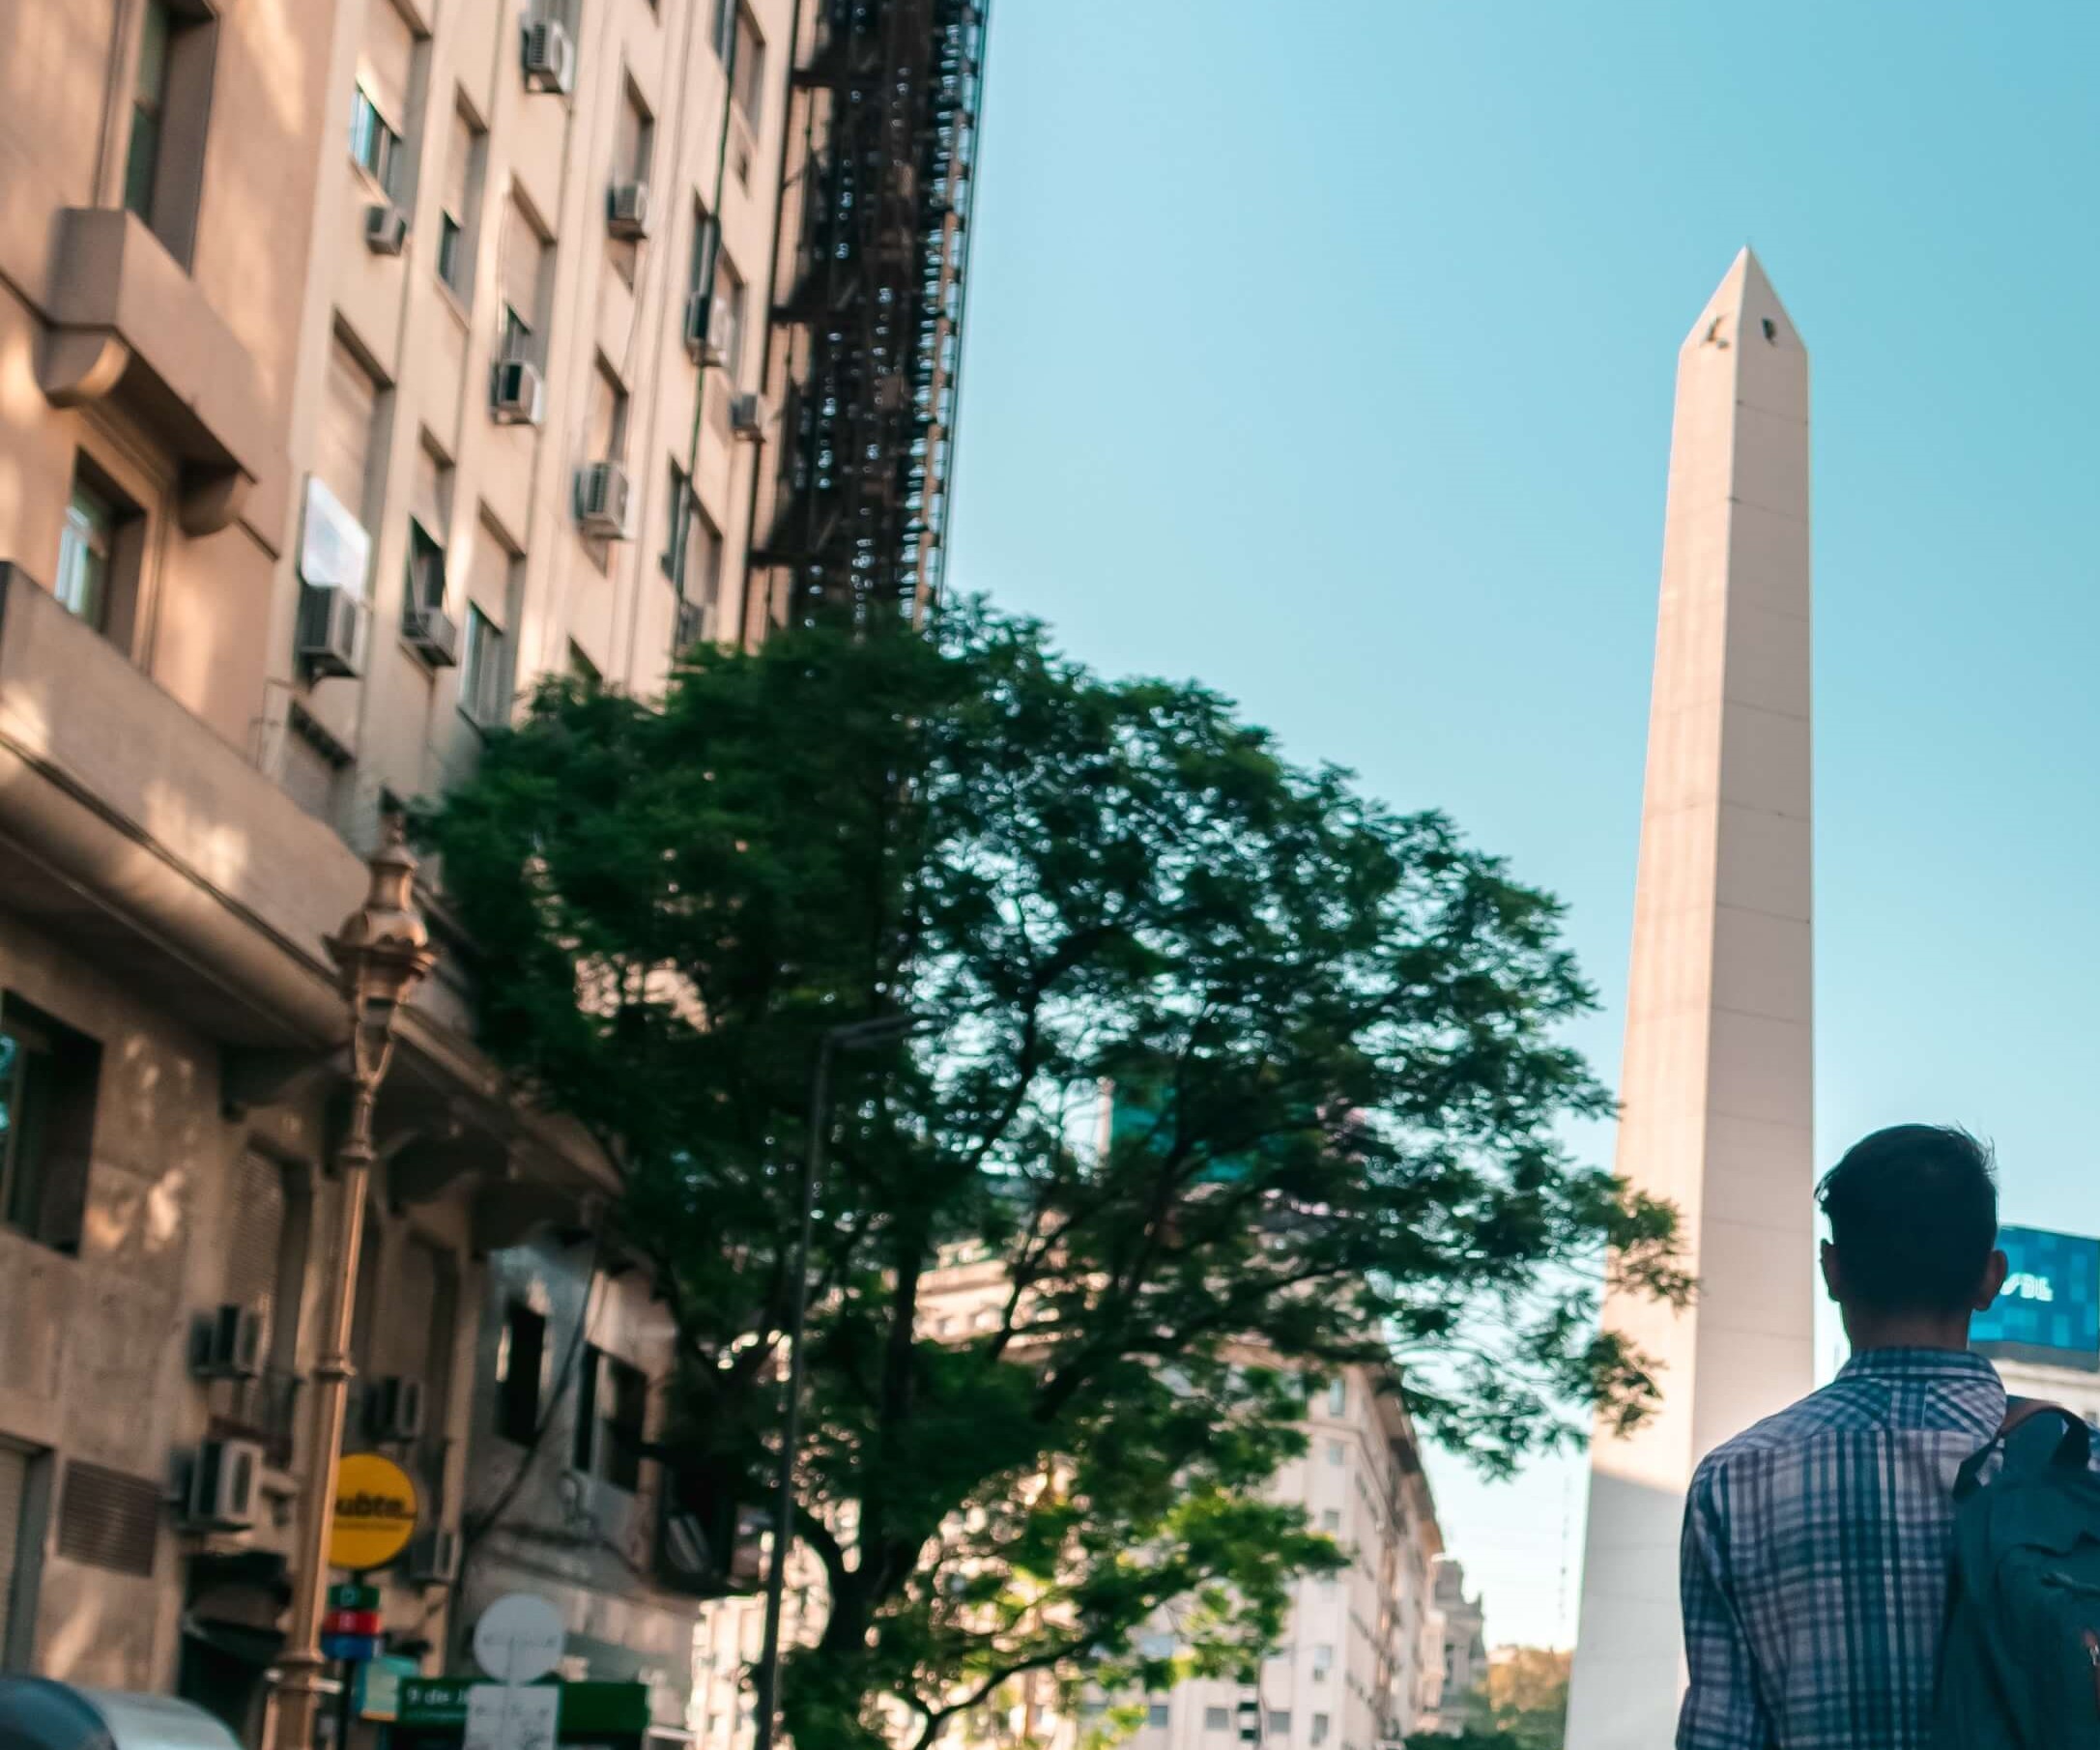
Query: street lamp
(850, 1036)
(381, 953)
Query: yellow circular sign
(375, 1512)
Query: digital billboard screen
(2051, 1295)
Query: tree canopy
(1333, 1033)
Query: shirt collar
(1919, 1363)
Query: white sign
(506, 1716)
(2025, 1285)
(518, 1638)
(333, 549)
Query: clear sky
(1324, 351)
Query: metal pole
(300, 1688)
(790, 1429)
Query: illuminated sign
(2050, 1300)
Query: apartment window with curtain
(484, 674)
(379, 110)
(729, 295)
(465, 148)
(87, 547)
(149, 108)
(693, 549)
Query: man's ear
(1833, 1276)
(1994, 1279)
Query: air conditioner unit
(434, 634)
(601, 499)
(433, 1558)
(515, 393)
(692, 624)
(627, 211)
(550, 58)
(222, 1492)
(330, 631)
(747, 418)
(385, 228)
(393, 1408)
(227, 1343)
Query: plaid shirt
(1816, 1554)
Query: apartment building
(1355, 1669)
(360, 361)
(1462, 1631)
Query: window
(49, 1075)
(720, 33)
(1323, 1660)
(1280, 1722)
(584, 1446)
(149, 109)
(24, 1483)
(1217, 1719)
(729, 296)
(747, 68)
(693, 549)
(635, 144)
(1334, 1452)
(372, 142)
(582, 668)
(1319, 1729)
(464, 155)
(520, 1356)
(429, 515)
(1338, 1396)
(349, 415)
(524, 277)
(707, 237)
(626, 1417)
(484, 677)
(1157, 1715)
(85, 550)
(1331, 1521)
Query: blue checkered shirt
(1816, 1554)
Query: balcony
(128, 325)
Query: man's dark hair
(1914, 1215)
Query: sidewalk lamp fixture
(381, 953)
(850, 1036)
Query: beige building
(1462, 1633)
(1359, 1664)
(360, 361)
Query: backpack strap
(2073, 1449)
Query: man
(1817, 1544)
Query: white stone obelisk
(1716, 1085)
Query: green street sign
(352, 1596)
(586, 1710)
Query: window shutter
(108, 1519)
(627, 164)
(427, 496)
(343, 452)
(257, 1248)
(488, 576)
(523, 252)
(599, 434)
(458, 168)
(389, 55)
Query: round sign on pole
(375, 1512)
(519, 1638)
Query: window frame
(67, 1096)
(517, 1409)
(484, 668)
(384, 141)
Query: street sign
(352, 1630)
(519, 1638)
(376, 1694)
(512, 1716)
(375, 1512)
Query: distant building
(1462, 1633)
(1359, 1661)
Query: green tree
(1522, 1706)
(1345, 1024)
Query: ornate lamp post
(381, 953)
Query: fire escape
(868, 335)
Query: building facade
(1461, 1630)
(1359, 1666)
(361, 361)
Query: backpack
(2019, 1661)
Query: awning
(38, 1714)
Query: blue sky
(1324, 352)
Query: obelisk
(1715, 1088)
